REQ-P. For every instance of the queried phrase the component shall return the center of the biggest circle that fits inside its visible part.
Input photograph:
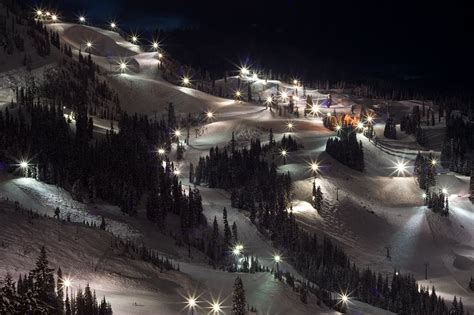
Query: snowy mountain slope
(86, 255)
(141, 89)
(375, 208)
(125, 282)
(377, 198)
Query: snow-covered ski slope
(365, 212)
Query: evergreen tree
(43, 278)
(227, 231)
(238, 298)
(191, 173)
(102, 224)
(60, 291)
(234, 232)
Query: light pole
(277, 259)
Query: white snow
(374, 209)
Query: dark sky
(414, 32)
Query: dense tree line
(458, 142)
(346, 149)
(40, 293)
(438, 202)
(120, 167)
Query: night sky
(411, 33)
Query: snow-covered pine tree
(43, 278)
(238, 298)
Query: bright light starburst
(210, 114)
(216, 307)
(315, 110)
(244, 70)
(185, 81)
(277, 258)
(123, 65)
(67, 282)
(400, 167)
(314, 166)
(290, 126)
(161, 151)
